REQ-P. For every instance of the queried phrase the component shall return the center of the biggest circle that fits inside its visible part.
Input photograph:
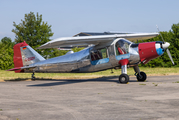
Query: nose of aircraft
(165, 45)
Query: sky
(70, 17)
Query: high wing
(95, 40)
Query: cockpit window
(122, 46)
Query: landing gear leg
(141, 76)
(124, 78)
(33, 76)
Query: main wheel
(124, 78)
(142, 77)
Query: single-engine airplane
(102, 52)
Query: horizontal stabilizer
(21, 68)
(14, 69)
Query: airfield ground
(91, 99)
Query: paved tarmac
(92, 99)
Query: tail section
(24, 55)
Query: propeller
(165, 45)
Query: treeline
(6, 53)
(6, 50)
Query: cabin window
(99, 54)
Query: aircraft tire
(123, 78)
(33, 78)
(142, 77)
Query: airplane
(102, 52)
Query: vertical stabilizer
(24, 55)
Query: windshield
(122, 46)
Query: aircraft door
(122, 49)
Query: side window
(99, 54)
(104, 53)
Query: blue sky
(69, 17)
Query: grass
(10, 75)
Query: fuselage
(95, 58)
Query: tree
(6, 53)
(34, 31)
(7, 41)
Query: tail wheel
(141, 77)
(33, 76)
(124, 78)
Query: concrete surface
(93, 99)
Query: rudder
(24, 55)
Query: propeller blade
(168, 52)
(160, 34)
(166, 45)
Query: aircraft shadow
(23, 79)
(73, 81)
